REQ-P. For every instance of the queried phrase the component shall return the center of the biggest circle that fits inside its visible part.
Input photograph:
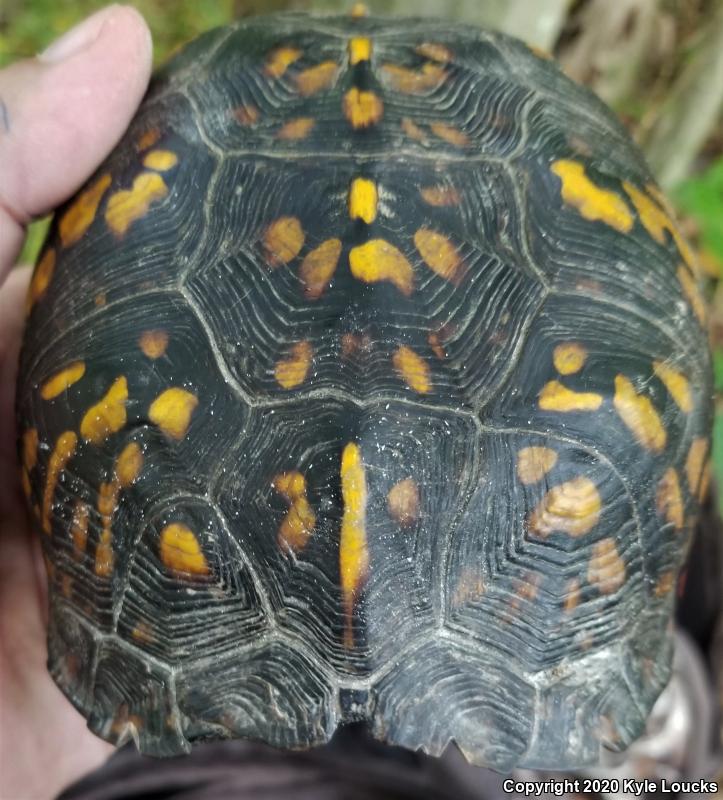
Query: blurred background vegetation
(658, 63)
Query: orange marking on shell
(79, 217)
(318, 267)
(300, 520)
(180, 550)
(108, 415)
(362, 108)
(79, 527)
(143, 633)
(359, 10)
(352, 344)
(665, 584)
(62, 380)
(62, 453)
(440, 196)
(569, 357)
(171, 411)
(283, 240)
(606, 570)
(413, 130)
(705, 480)
(449, 134)
(280, 60)
(434, 51)
(129, 464)
(317, 78)
(556, 397)
(296, 129)
(639, 415)
(533, 463)
(694, 463)
(292, 371)
(104, 555)
(572, 596)
(403, 502)
(353, 548)
(127, 206)
(160, 160)
(148, 139)
(42, 276)
(153, 343)
(692, 293)
(413, 369)
(246, 115)
(378, 260)
(413, 81)
(470, 586)
(669, 499)
(439, 254)
(436, 345)
(30, 448)
(572, 507)
(677, 385)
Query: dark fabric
(352, 767)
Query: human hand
(60, 114)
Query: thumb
(62, 112)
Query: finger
(62, 112)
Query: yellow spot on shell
(62, 380)
(413, 369)
(533, 463)
(705, 480)
(590, 200)
(569, 357)
(360, 49)
(449, 134)
(292, 371)
(572, 596)
(639, 415)
(298, 524)
(108, 415)
(79, 527)
(437, 52)
(318, 267)
(556, 397)
(403, 502)
(363, 200)
(362, 108)
(413, 81)
(79, 217)
(677, 384)
(296, 129)
(692, 293)
(694, 463)
(572, 507)
(665, 584)
(128, 205)
(413, 130)
(359, 10)
(469, 587)
(246, 115)
(129, 464)
(436, 345)
(280, 60)
(143, 633)
(148, 139)
(30, 448)
(353, 550)
(606, 570)
(153, 343)
(171, 411)
(440, 196)
(42, 276)
(160, 160)
(378, 260)
(439, 254)
(104, 557)
(315, 79)
(62, 453)
(656, 222)
(180, 550)
(669, 500)
(283, 240)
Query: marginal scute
(533, 463)
(695, 461)
(42, 276)
(63, 380)
(639, 415)
(677, 384)
(692, 293)
(108, 415)
(590, 200)
(572, 507)
(606, 569)
(171, 411)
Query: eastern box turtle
(367, 379)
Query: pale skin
(60, 115)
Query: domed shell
(367, 379)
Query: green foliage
(702, 198)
